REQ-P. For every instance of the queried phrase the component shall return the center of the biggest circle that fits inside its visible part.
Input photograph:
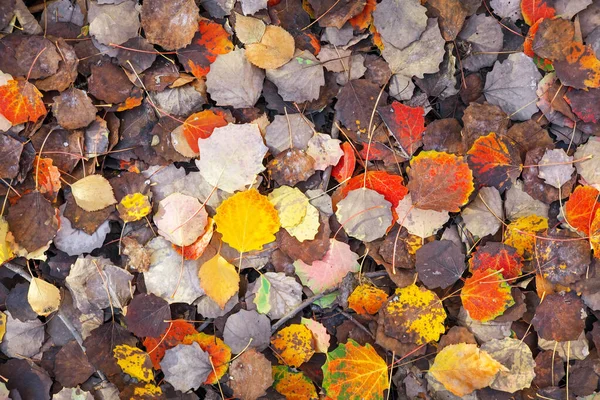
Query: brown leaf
(481, 119)
(451, 14)
(336, 12)
(10, 154)
(553, 38)
(33, 221)
(250, 375)
(73, 109)
(84, 220)
(308, 251)
(109, 83)
(146, 315)
(101, 342)
(444, 135)
(535, 186)
(71, 366)
(291, 167)
(560, 317)
(355, 104)
(549, 369)
(67, 69)
(170, 24)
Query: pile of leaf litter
(299, 199)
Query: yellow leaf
(2, 325)
(148, 389)
(43, 297)
(416, 314)
(93, 193)
(520, 234)
(290, 204)
(219, 279)
(247, 221)
(367, 299)
(134, 362)
(308, 228)
(5, 250)
(294, 344)
(463, 368)
(134, 207)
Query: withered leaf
(147, 315)
(172, 24)
(560, 317)
(440, 263)
(73, 109)
(33, 221)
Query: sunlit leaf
(520, 234)
(486, 295)
(367, 299)
(293, 344)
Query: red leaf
(174, 335)
(534, 10)
(21, 102)
(389, 186)
(345, 167)
(495, 161)
(201, 125)
(497, 257)
(581, 208)
(365, 17)
(407, 124)
(486, 295)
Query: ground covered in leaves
(268, 199)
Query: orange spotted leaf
(486, 295)
(156, 347)
(580, 69)
(345, 167)
(201, 125)
(210, 41)
(293, 345)
(363, 19)
(494, 160)
(439, 181)
(534, 10)
(21, 102)
(388, 185)
(367, 299)
(355, 372)
(581, 208)
(406, 123)
(293, 385)
(497, 257)
(48, 177)
(218, 351)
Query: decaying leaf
(367, 299)
(293, 344)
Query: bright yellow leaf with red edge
(486, 295)
(376, 37)
(390, 186)
(201, 125)
(520, 234)
(247, 220)
(595, 234)
(195, 250)
(463, 368)
(293, 385)
(218, 352)
(48, 177)
(581, 208)
(134, 207)
(367, 299)
(363, 19)
(439, 181)
(21, 102)
(355, 372)
(219, 279)
(535, 10)
(134, 362)
(293, 345)
(156, 347)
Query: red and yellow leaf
(534, 10)
(388, 185)
(406, 123)
(21, 102)
(486, 295)
(494, 160)
(580, 69)
(355, 372)
(156, 347)
(581, 208)
(345, 167)
(218, 352)
(497, 257)
(439, 181)
(48, 177)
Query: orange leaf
(218, 351)
(389, 186)
(367, 299)
(201, 125)
(581, 208)
(595, 234)
(195, 250)
(495, 161)
(345, 167)
(534, 10)
(406, 123)
(486, 295)
(156, 347)
(439, 181)
(48, 177)
(293, 344)
(355, 372)
(365, 17)
(498, 257)
(21, 102)
(580, 69)
(293, 385)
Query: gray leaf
(485, 35)
(244, 326)
(365, 214)
(400, 22)
(279, 131)
(556, 175)
(183, 100)
(510, 9)
(186, 367)
(22, 339)
(300, 79)
(481, 220)
(516, 356)
(113, 23)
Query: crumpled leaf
(293, 385)
(43, 297)
(181, 219)
(351, 368)
(516, 356)
(422, 223)
(293, 345)
(300, 79)
(400, 22)
(275, 294)
(219, 279)
(367, 299)
(512, 86)
(484, 215)
(364, 214)
(93, 193)
(186, 367)
(330, 270)
(232, 156)
(247, 328)
(247, 221)
(250, 375)
(439, 263)
(463, 368)
(414, 315)
(486, 295)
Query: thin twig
(358, 324)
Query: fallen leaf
(561, 258)
(48, 177)
(113, 23)
(497, 257)
(351, 368)
(580, 69)
(556, 168)
(355, 103)
(22, 339)
(181, 219)
(93, 193)
(147, 315)
(219, 354)
(344, 169)
(170, 25)
(200, 126)
(73, 109)
(293, 344)
(422, 223)
(588, 167)
(485, 37)
(463, 368)
(288, 131)
(324, 150)
(71, 366)
(300, 79)
(249, 30)
(321, 339)
(406, 123)
(440, 263)
(157, 346)
(134, 207)
(581, 208)
(486, 295)
(250, 375)
(247, 329)
(534, 10)
(275, 294)
(219, 279)
(367, 299)
(451, 15)
(274, 49)
(134, 362)
(560, 317)
(186, 367)
(364, 214)
(495, 161)
(293, 385)
(484, 215)
(409, 15)
(21, 102)
(43, 297)
(552, 38)
(520, 234)
(33, 221)
(517, 358)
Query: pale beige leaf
(43, 297)
(93, 193)
(248, 29)
(181, 219)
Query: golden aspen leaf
(290, 204)
(43, 297)
(367, 299)
(219, 279)
(148, 389)
(93, 193)
(293, 345)
(6, 252)
(293, 385)
(134, 362)
(414, 315)
(595, 234)
(463, 368)
(2, 325)
(276, 47)
(247, 221)
(520, 234)
(134, 207)
(486, 295)
(218, 352)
